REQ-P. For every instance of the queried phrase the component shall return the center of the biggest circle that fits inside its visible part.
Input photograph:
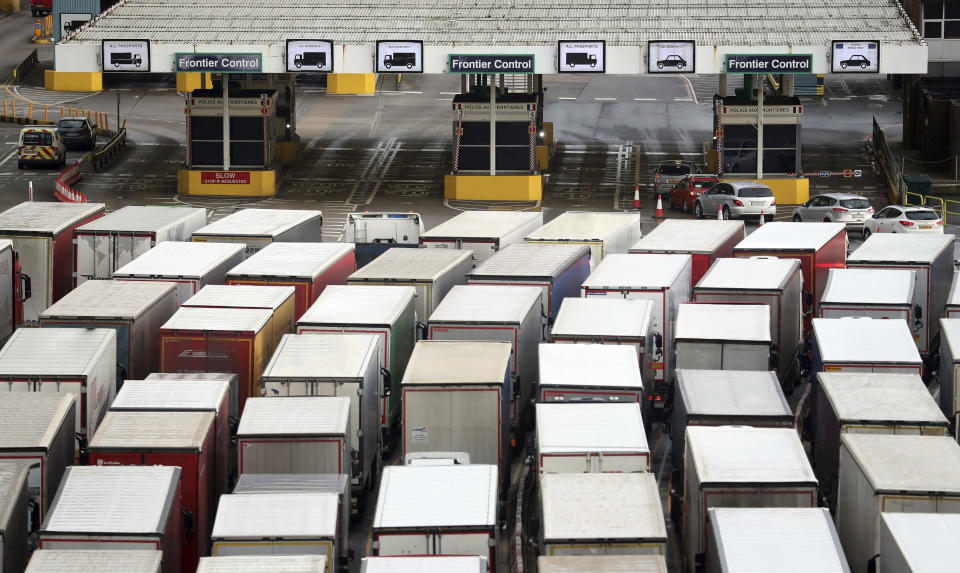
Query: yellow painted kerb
(262, 184)
(493, 187)
(351, 83)
(787, 191)
(73, 81)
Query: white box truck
(874, 293)
(892, 474)
(105, 245)
(461, 564)
(861, 344)
(952, 306)
(705, 243)
(101, 561)
(571, 374)
(592, 438)
(918, 542)
(949, 375)
(604, 233)
(14, 518)
(723, 336)
(499, 313)
(257, 228)
(335, 365)
(483, 232)
(260, 563)
(374, 233)
(594, 563)
(232, 381)
(15, 289)
(190, 265)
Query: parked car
(900, 219)
(673, 60)
(41, 144)
(737, 199)
(78, 133)
(669, 173)
(855, 60)
(685, 193)
(854, 210)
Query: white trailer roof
(242, 296)
(606, 563)
(399, 264)
(754, 273)
(688, 236)
(13, 482)
(589, 365)
(565, 428)
(603, 317)
(790, 236)
(739, 454)
(257, 223)
(54, 351)
(487, 304)
(868, 396)
(437, 496)
(950, 329)
(457, 362)
(907, 463)
(99, 561)
(204, 395)
(219, 319)
(431, 564)
(783, 539)
(379, 305)
(601, 506)
(287, 417)
(322, 356)
(45, 217)
(584, 226)
(869, 286)
(262, 563)
(126, 300)
(31, 419)
(953, 299)
(859, 339)
(642, 272)
(731, 393)
(723, 322)
(134, 218)
(900, 248)
(276, 516)
(152, 430)
(929, 542)
(298, 260)
(113, 500)
(530, 260)
(179, 259)
(483, 224)
(291, 483)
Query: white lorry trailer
(190, 265)
(592, 438)
(373, 233)
(571, 374)
(918, 542)
(594, 563)
(261, 563)
(723, 336)
(460, 564)
(949, 375)
(858, 344)
(257, 228)
(604, 233)
(14, 496)
(483, 232)
(101, 561)
(874, 293)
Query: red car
(685, 192)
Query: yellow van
(41, 144)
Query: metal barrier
(100, 158)
(946, 207)
(63, 191)
(888, 164)
(25, 66)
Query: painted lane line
(605, 98)
(644, 99)
(568, 98)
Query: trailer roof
(483, 224)
(276, 516)
(32, 419)
(242, 296)
(880, 397)
(322, 357)
(953, 299)
(99, 561)
(643, 271)
(754, 273)
(860, 339)
(900, 248)
(179, 259)
(790, 236)
(738, 454)
(204, 395)
(45, 217)
(784, 539)
(301, 416)
(367, 305)
(603, 318)
(929, 542)
(292, 483)
(601, 506)
(583, 226)
(437, 496)
(13, 482)
(723, 322)
(905, 463)
(297, 260)
(431, 564)
(563, 428)
(125, 430)
(54, 351)
(950, 330)
(399, 264)
(487, 304)
(458, 362)
(869, 286)
(606, 563)
(530, 260)
(258, 223)
(589, 365)
(113, 500)
(689, 236)
(261, 563)
(219, 319)
(135, 218)
(732, 393)
(126, 300)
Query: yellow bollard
(30, 111)
(106, 121)
(45, 112)
(13, 108)
(124, 124)
(4, 108)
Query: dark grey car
(78, 133)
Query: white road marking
(605, 98)
(644, 99)
(568, 98)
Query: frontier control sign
(482, 64)
(236, 63)
(769, 64)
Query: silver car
(737, 199)
(854, 210)
(668, 174)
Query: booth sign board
(671, 56)
(855, 57)
(225, 177)
(239, 106)
(234, 63)
(505, 111)
(70, 22)
(483, 64)
(125, 55)
(399, 56)
(768, 110)
(309, 56)
(768, 64)
(581, 56)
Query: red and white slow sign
(225, 177)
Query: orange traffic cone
(720, 213)
(636, 196)
(659, 212)
(762, 217)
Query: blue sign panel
(482, 64)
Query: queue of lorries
(180, 396)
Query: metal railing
(25, 66)
(891, 167)
(946, 207)
(100, 158)
(63, 191)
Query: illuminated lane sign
(481, 64)
(236, 63)
(769, 64)
(855, 57)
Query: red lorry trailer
(704, 241)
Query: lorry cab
(41, 144)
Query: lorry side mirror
(387, 382)
(25, 288)
(421, 331)
(872, 564)
(658, 342)
(534, 526)
(515, 380)
(188, 521)
(918, 313)
(807, 299)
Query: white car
(737, 200)
(899, 219)
(854, 210)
